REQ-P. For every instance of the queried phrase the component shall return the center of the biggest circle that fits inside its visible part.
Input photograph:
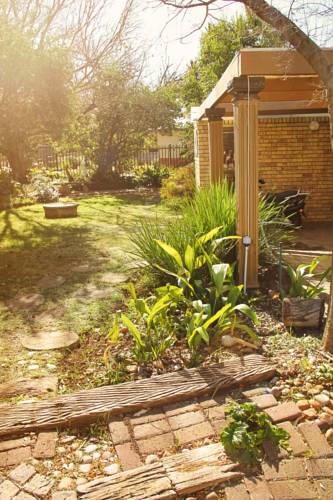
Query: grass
(32, 247)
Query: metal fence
(69, 161)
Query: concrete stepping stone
(28, 301)
(50, 315)
(82, 268)
(50, 339)
(27, 386)
(51, 282)
(114, 278)
(92, 292)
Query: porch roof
(291, 85)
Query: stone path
(45, 340)
(160, 448)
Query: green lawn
(32, 247)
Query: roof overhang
(290, 82)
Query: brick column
(215, 142)
(245, 104)
(201, 150)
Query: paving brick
(258, 391)
(182, 407)
(15, 456)
(144, 431)
(325, 489)
(15, 443)
(64, 495)
(273, 452)
(22, 473)
(283, 412)
(8, 490)
(208, 403)
(46, 445)
(156, 443)
(152, 416)
(293, 490)
(286, 469)
(296, 443)
(186, 419)
(194, 433)
(24, 496)
(257, 488)
(320, 467)
(218, 425)
(128, 456)
(264, 401)
(215, 413)
(316, 440)
(39, 485)
(237, 492)
(119, 431)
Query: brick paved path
(305, 472)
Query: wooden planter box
(301, 312)
(60, 210)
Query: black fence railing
(69, 161)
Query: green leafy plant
(301, 284)
(179, 185)
(209, 208)
(154, 332)
(244, 436)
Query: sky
(170, 39)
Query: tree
(307, 47)
(127, 112)
(34, 99)
(218, 45)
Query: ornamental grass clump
(248, 430)
(211, 207)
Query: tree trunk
(316, 57)
(19, 164)
(328, 334)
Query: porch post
(215, 143)
(245, 105)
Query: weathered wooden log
(171, 477)
(300, 312)
(103, 402)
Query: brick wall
(201, 157)
(291, 156)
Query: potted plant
(6, 186)
(303, 306)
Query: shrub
(149, 175)
(210, 208)
(244, 436)
(180, 184)
(43, 185)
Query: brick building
(266, 119)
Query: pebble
(151, 459)
(86, 459)
(322, 399)
(33, 367)
(75, 446)
(50, 366)
(61, 450)
(67, 439)
(329, 435)
(212, 496)
(106, 455)
(285, 391)
(303, 404)
(276, 391)
(81, 480)
(65, 484)
(85, 468)
(78, 454)
(90, 448)
(96, 455)
(310, 414)
(56, 473)
(315, 404)
(111, 469)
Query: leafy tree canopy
(219, 43)
(34, 96)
